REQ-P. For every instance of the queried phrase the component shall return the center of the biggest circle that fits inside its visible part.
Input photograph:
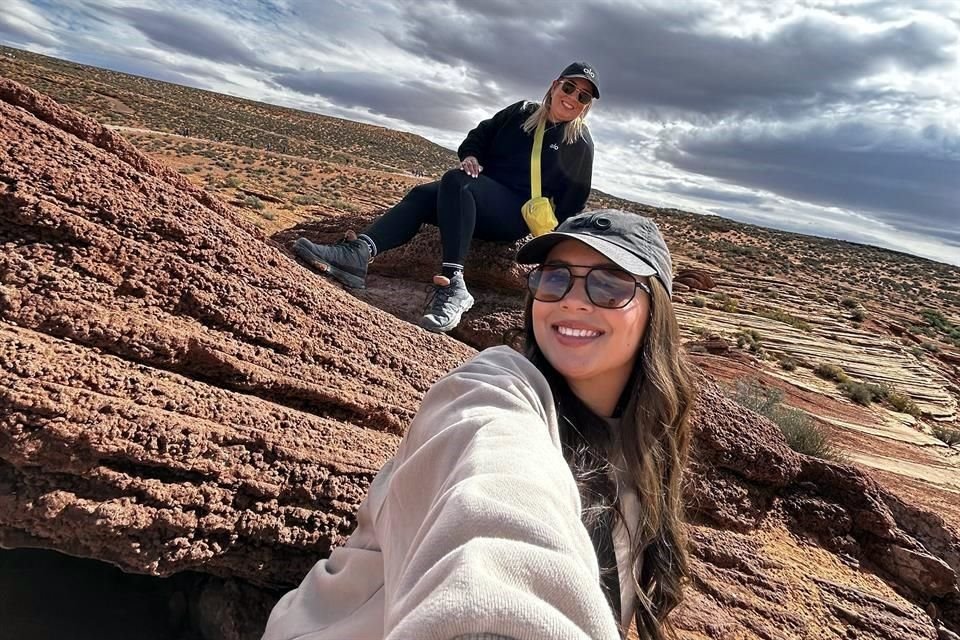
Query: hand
(471, 166)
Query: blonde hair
(572, 131)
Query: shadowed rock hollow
(178, 394)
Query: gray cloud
(667, 59)
(714, 194)
(810, 107)
(409, 100)
(905, 178)
(16, 27)
(189, 35)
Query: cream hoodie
(472, 528)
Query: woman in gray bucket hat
(537, 493)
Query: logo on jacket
(555, 146)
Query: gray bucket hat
(630, 241)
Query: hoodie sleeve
(478, 141)
(578, 167)
(481, 529)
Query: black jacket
(503, 149)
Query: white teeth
(577, 333)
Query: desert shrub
(849, 303)
(902, 402)
(699, 301)
(801, 433)
(946, 434)
(186, 170)
(782, 316)
(231, 181)
(253, 202)
(939, 322)
(831, 372)
(788, 364)
(725, 302)
(858, 315)
(306, 200)
(750, 338)
(346, 206)
(861, 392)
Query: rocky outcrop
(695, 279)
(178, 394)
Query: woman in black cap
(483, 197)
(535, 494)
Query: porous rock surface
(177, 393)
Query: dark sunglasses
(583, 97)
(607, 287)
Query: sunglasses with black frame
(607, 287)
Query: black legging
(462, 207)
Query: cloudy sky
(838, 118)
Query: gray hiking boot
(449, 301)
(346, 260)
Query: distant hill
(132, 101)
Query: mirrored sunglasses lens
(609, 288)
(582, 96)
(549, 284)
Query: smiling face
(593, 348)
(563, 107)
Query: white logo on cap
(589, 72)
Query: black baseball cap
(587, 72)
(630, 241)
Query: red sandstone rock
(695, 279)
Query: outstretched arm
(481, 521)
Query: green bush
(932, 347)
(253, 202)
(231, 181)
(725, 302)
(699, 301)
(788, 364)
(831, 372)
(750, 339)
(858, 315)
(801, 433)
(782, 316)
(862, 392)
(849, 303)
(949, 435)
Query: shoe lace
(352, 241)
(437, 297)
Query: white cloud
(832, 117)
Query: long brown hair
(653, 440)
(572, 131)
